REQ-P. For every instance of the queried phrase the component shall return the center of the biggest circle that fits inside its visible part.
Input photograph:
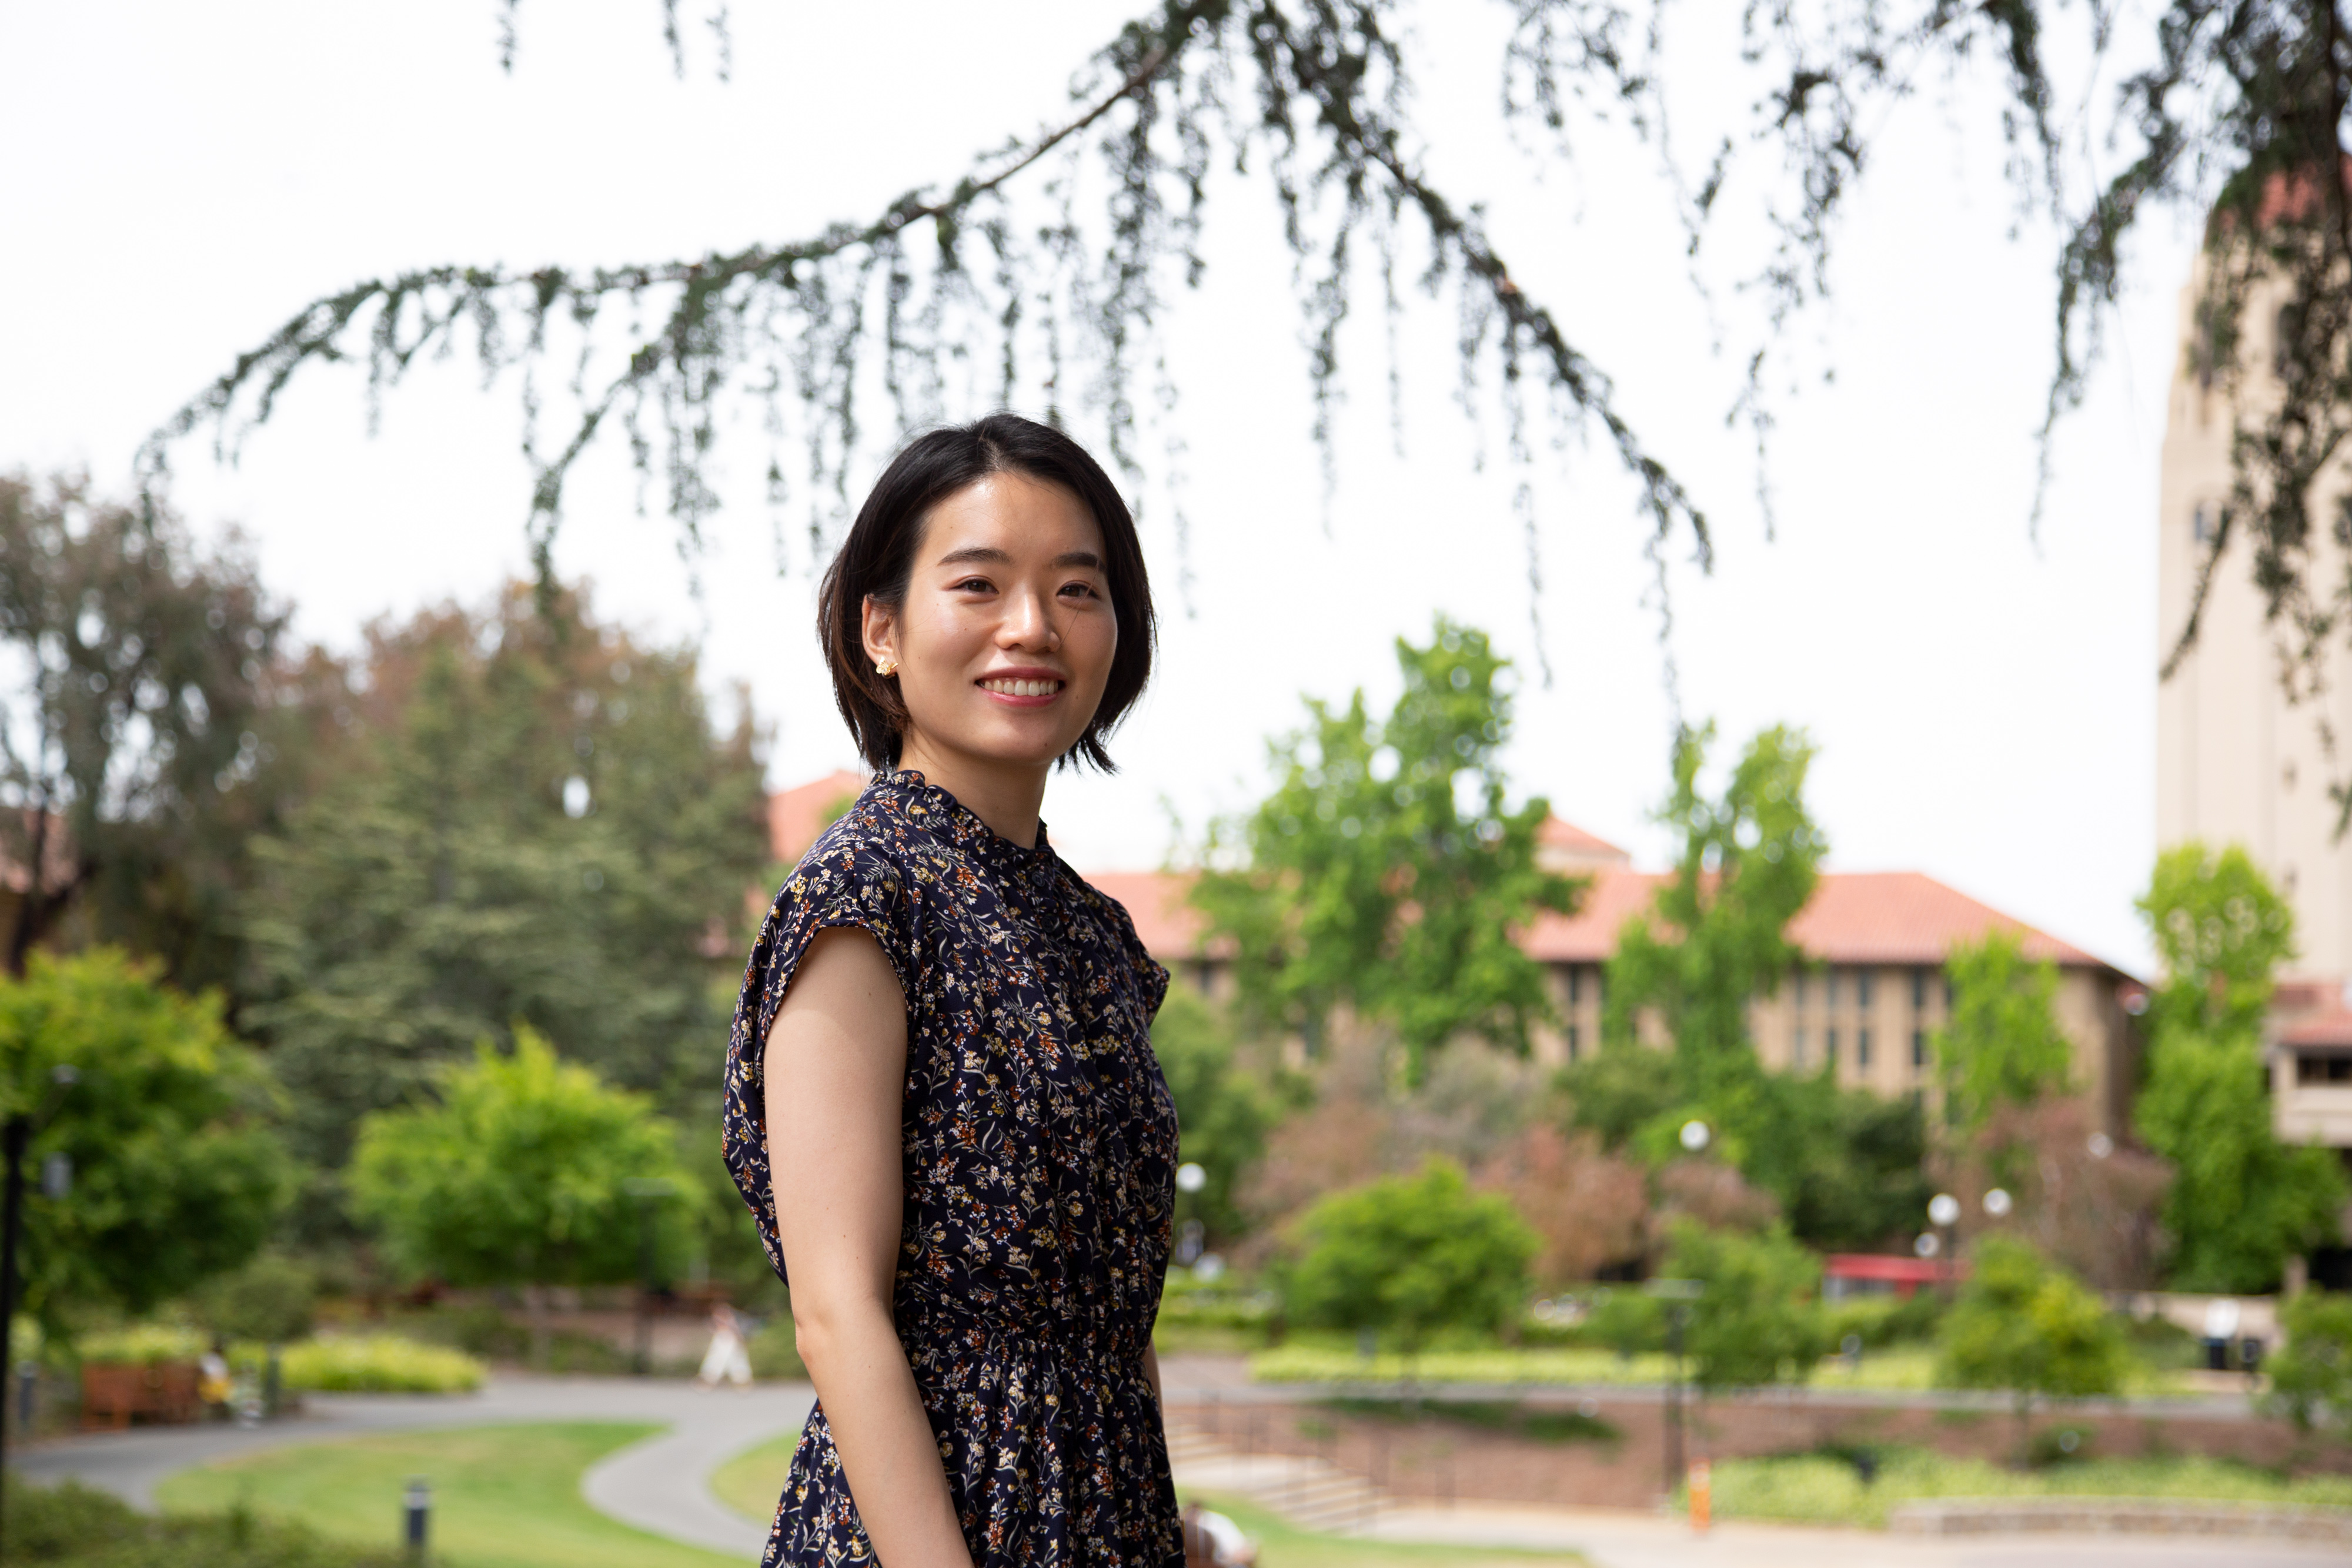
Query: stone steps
(1310, 1492)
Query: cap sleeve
(838, 884)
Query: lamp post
(1944, 1213)
(1678, 1295)
(15, 1137)
(648, 1191)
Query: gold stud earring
(886, 667)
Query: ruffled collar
(945, 817)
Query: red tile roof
(1856, 917)
(2332, 1027)
(1169, 926)
(1572, 843)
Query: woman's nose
(1029, 622)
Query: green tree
(152, 733)
(2222, 931)
(2002, 1045)
(1715, 938)
(2023, 1325)
(1222, 1112)
(2241, 1201)
(1844, 1163)
(1410, 1256)
(537, 822)
(177, 1174)
(2311, 1377)
(1386, 872)
(1755, 1321)
(519, 1177)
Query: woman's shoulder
(865, 849)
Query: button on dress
(1040, 1149)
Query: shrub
(2311, 1378)
(1883, 1321)
(1408, 1256)
(378, 1363)
(141, 1345)
(1626, 1321)
(72, 1526)
(1756, 1321)
(2026, 1326)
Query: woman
(941, 1101)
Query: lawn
(1819, 1489)
(503, 1497)
(752, 1481)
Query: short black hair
(878, 557)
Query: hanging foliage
(1046, 269)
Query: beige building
(1867, 1002)
(2237, 761)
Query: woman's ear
(879, 627)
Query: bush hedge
(72, 1526)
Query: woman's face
(1004, 640)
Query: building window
(1862, 988)
(1830, 989)
(1575, 1043)
(1829, 1046)
(1862, 1048)
(1575, 984)
(1918, 990)
(2313, 1068)
(1918, 1048)
(1797, 1047)
(1798, 988)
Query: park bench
(115, 1394)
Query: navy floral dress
(1040, 1148)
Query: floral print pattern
(1040, 1150)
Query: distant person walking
(941, 1101)
(728, 1359)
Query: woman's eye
(978, 584)
(1084, 590)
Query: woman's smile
(1023, 688)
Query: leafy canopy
(177, 1173)
(519, 1175)
(537, 821)
(2001, 1045)
(1715, 939)
(2311, 1377)
(2222, 931)
(144, 734)
(1386, 870)
(1222, 1112)
(1410, 1256)
(2023, 1325)
(2241, 1201)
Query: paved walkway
(660, 1484)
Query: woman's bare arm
(836, 1072)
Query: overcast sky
(177, 180)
